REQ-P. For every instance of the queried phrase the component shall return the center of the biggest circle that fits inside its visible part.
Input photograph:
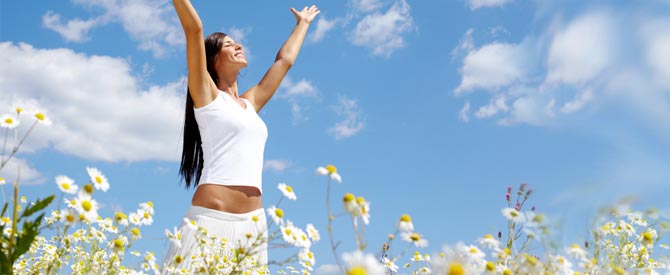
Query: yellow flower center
(507, 251)
(473, 250)
(279, 212)
(118, 216)
(98, 179)
(357, 270)
(254, 218)
(348, 197)
(146, 215)
(507, 272)
(488, 236)
(287, 231)
(9, 120)
(360, 200)
(118, 244)
(538, 218)
(135, 231)
(40, 116)
(65, 186)
(178, 259)
(86, 205)
(331, 169)
(574, 245)
(88, 188)
(648, 236)
(19, 110)
(69, 218)
(405, 218)
(531, 260)
(456, 269)
(619, 270)
(514, 214)
(415, 237)
(150, 204)
(490, 266)
(289, 189)
(310, 255)
(249, 235)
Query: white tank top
(233, 142)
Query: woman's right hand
(306, 15)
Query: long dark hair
(191, 156)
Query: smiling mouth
(239, 54)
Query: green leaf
(26, 238)
(4, 209)
(39, 205)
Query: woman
(224, 138)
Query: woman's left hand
(306, 14)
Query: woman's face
(231, 55)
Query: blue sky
(430, 108)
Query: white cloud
(276, 165)
(583, 50)
(495, 106)
(16, 167)
(365, 5)
(327, 269)
(352, 123)
(145, 20)
(383, 32)
(465, 46)
(578, 103)
(98, 109)
(476, 4)
(656, 41)
(323, 26)
(595, 62)
(464, 113)
(75, 30)
(494, 66)
(295, 93)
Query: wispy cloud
(594, 60)
(353, 121)
(296, 94)
(477, 4)
(277, 165)
(144, 20)
(147, 128)
(383, 32)
(19, 169)
(323, 26)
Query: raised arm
(200, 84)
(261, 93)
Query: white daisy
(331, 171)
(17, 109)
(2, 181)
(9, 121)
(288, 231)
(99, 180)
(277, 214)
(359, 263)
(121, 218)
(86, 206)
(42, 118)
(174, 237)
(287, 191)
(313, 233)
(350, 204)
(364, 209)
(148, 207)
(489, 242)
(390, 265)
(576, 251)
(405, 224)
(145, 217)
(306, 255)
(190, 223)
(414, 238)
(66, 184)
(513, 215)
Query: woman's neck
(228, 83)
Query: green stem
(16, 149)
(330, 228)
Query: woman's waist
(227, 198)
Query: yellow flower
(42, 118)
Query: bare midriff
(231, 199)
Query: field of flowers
(75, 239)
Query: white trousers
(233, 227)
